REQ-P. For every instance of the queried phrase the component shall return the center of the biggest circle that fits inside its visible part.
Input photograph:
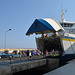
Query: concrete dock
(68, 69)
(8, 69)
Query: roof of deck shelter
(44, 25)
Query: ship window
(71, 25)
(65, 24)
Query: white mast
(62, 16)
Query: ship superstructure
(69, 35)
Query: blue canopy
(43, 26)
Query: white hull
(69, 47)
(69, 44)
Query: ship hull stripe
(68, 39)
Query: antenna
(62, 15)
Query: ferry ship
(56, 39)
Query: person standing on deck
(30, 54)
(27, 52)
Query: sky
(18, 15)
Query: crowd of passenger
(30, 53)
(53, 52)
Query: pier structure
(9, 69)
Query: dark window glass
(71, 25)
(67, 25)
(64, 24)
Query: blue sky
(20, 14)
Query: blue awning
(43, 26)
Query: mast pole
(62, 15)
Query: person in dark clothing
(27, 52)
(32, 53)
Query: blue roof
(43, 25)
